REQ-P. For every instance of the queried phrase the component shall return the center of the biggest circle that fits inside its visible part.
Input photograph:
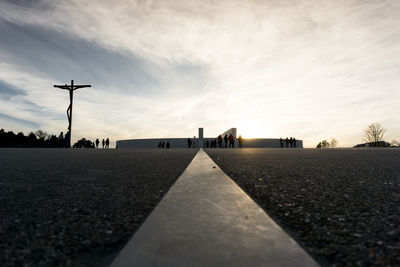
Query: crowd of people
(65, 140)
(220, 142)
(227, 142)
(104, 143)
(288, 142)
(163, 145)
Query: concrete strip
(207, 220)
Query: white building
(201, 141)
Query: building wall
(149, 143)
(267, 142)
(229, 132)
(182, 142)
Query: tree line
(39, 138)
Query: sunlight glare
(251, 129)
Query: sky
(309, 69)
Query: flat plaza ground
(341, 205)
(74, 207)
(79, 207)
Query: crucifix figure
(71, 88)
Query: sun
(251, 129)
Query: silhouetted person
(226, 140)
(97, 143)
(219, 141)
(215, 143)
(159, 144)
(231, 141)
(103, 143)
(207, 144)
(281, 142)
(66, 139)
(287, 142)
(291, 142)
(167, 146)
(240, 139)
(162, 145)
(61, 140)
(189, 141)
(107, 143)
(294, 142)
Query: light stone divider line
(205, 219)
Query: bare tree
(41, 134)
(334, 142)
(395, 143)
(374, 133)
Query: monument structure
(201, 141)
(71, 88)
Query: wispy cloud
(8, 91)
(16, 121)
(310, 69)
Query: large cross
(71, 88)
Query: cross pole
(71, 88)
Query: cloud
(61, 56)
(13, 120)
(8, 91)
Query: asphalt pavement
(341, 205)
(78, 207)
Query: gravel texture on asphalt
(72, 207)
(341, 205)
